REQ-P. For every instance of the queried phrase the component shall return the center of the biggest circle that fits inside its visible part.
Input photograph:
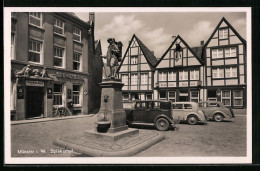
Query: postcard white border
(121, 160)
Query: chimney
(202, 42)
(92, 17)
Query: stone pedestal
(111, 107)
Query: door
(139, 112)
(35, 101)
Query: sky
(155, 29)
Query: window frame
(75, 29)
(37, 52)
(58, 57)
(40, 19)
(135, 57)
(196, 98)
(230, 69)
(58, 94)
(182, 73)
(223, 33)
(193, 72)
(63, 24)
(238, 98)
(79, 95)
(173, 99)
(226, 98)
(77, 61)
(218, 73)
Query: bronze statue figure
(114, 55)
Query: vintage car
(215, 110)
(189, 112)
(150, 112)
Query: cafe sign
(69, 76)
(34, 83)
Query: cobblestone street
(213, 139)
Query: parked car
(215, 110)
(150, 112)
(188, 111)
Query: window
(125, 97)
(230, 52)
(76, 94)
(212, 95)
(177, 106)
(58, 56)
(238, 97)
(144, 79)
(223, 33)
(194, 75)
(217, 53)
(76, 61)
(183, 75)
(171, 76)
(134, 79)
(12, 46)
(58, 26)
(231, 72)
(134, 60)
(187, 106)
(35, 18)
(194, 96)
(149, 96)
(218, 73)
(57, 94)
(162, 76)
(76, 34)
(125, 79)
(162, 95)
(35, 49)
(172, 96)
(226, 97)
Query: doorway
(35, 102)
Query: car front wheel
(192, 120)
(162, 124)
(218, 117)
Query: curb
(48, 119)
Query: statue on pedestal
(114, 55)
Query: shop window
(217, 53)
(35, 18)
(172, 96)
(223, 33)
(76, 61)
(134, 60)
(76, 94)
(194, 75)
(35, 50)
(125, 97)
(76, 34)
(162, 95)
(230, 52)
(194, 96)
(226, 97)
(218, 73)
(57, 94)
(149, 96)
(183, 75)
(58, 57)
(231, 72)
(58, 26)
(238, 97)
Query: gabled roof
(230, 26)
(190, 49)
(149, 56)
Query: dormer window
(223, 33)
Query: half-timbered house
(225, 63)
(179, 73)
(137, 71)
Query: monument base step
(123, 147)
(108, 136)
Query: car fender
(164, 116)
(200, 119)
(224, 115)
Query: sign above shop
(34, 83)
(69, 76)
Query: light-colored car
(215, 110)
(189, 112)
